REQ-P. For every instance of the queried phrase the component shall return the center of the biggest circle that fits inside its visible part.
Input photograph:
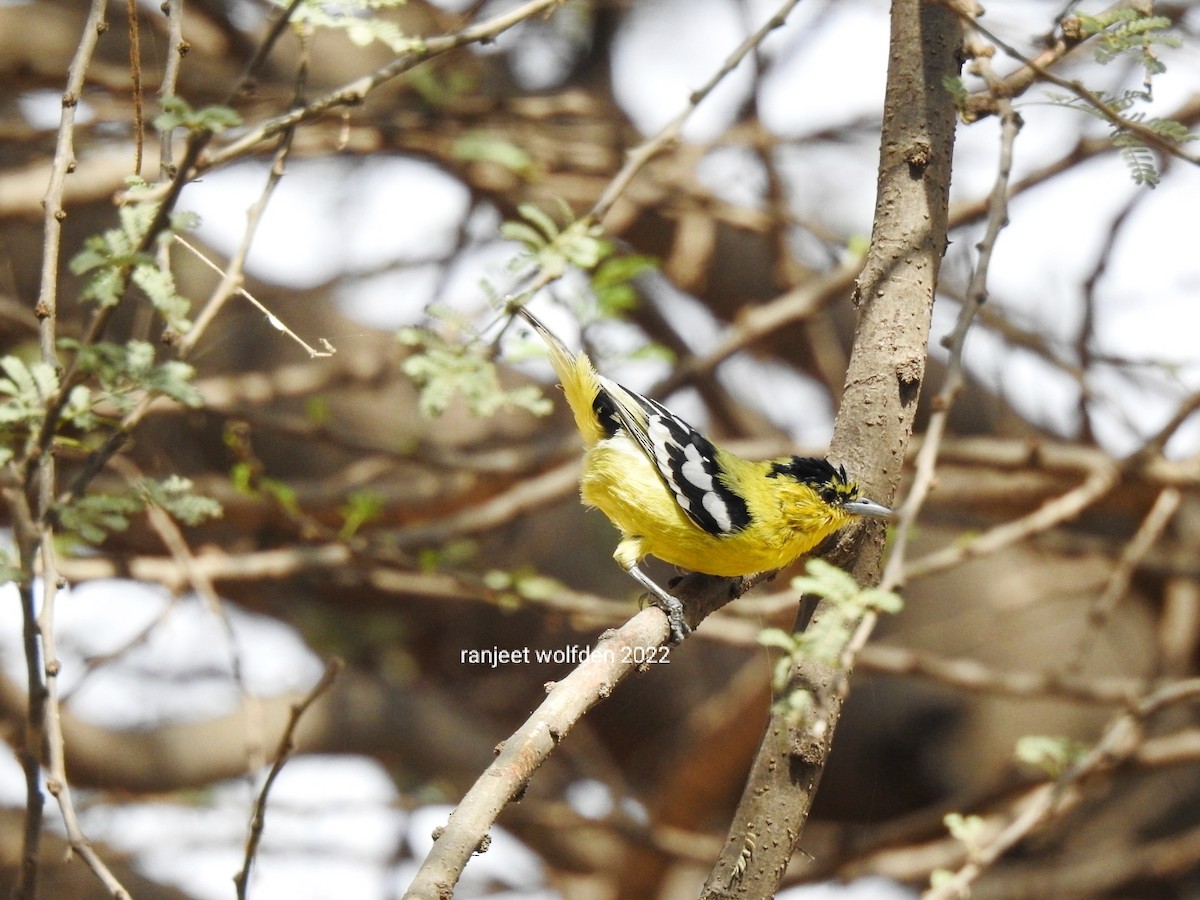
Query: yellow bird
(675, 495)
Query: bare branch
(618, 654)
(287, 745)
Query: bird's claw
(680, 629)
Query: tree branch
(895, 299)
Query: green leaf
(123, 370)
(359, 19)
(177, 496)
(777, 637)
(497, 580)
(30, 387)
(525, 234)
(93, 516)
(446, 372)
(1053, 755)
(939, 878)
(1171, 130)
(1139, 158)
(78, 408)
(105, 287)
(178, 113)
(533, 214)
(135, 219)
(969, 830)
(159, 286)
(174, 379)
(480, 146)
(533, 586)
(362, 506)
(957, 90)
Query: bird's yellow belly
(621, 482)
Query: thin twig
(1106, 110)
(1119, 741)
(26, 535)
(287, 745)
(355, 92)
(955, 342)
(34, 535)
(176, 48)
(1053, 512)
(637, 158)
(327, 348)
(232, 277)
(1151, 529)
(198, 139)
(135, 74)
(56, 777)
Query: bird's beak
(868, 508)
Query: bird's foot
(680, 629)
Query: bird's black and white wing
(687, 461)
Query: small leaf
(362, 506)
(533, 214)
(159, 286)
(178, 113)
(446, 372)
(524, 234)
(480, 146)
(1053, 755)
(93, 516)
(777, 637)
(969, 830)
(177, 496)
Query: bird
(675, 495)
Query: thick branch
(895, 300)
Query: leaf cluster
(1128, 139)
(116, 257)
(827, 635)
(553, 248)
(27, 392)
(445, 371)
(358, 19)
(178, 113)
(970, 831)
(92, 517)
(1124, 31)
(1053, 755)
(125, 371)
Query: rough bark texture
(895, 300)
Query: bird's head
(831, 485)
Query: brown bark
(895, 301)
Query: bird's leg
(668, 603)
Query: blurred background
(356, 526)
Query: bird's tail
(577, 375)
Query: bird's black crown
(821, 475)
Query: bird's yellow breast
(787, 519)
